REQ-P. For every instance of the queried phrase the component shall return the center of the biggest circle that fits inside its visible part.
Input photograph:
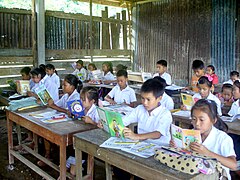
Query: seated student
(198, 70)
(226, 95)
(39, 77)
(166, 100)
(234, 75)
(25, 72)
(161, 71)
(153, 119)
(71, 89)
(215, 143)
(52, 73)
(91, 67)
(204, 85)
(120, 67)
(211, 72)
(108, 76)
(122, 93)
(80, 72)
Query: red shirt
(215, 79)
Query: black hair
(227, 86)
(91, 93)
(109, 66)
(210, 108)
(162, 62)
(212, 67)
(120, 67)
(25, 70)
(197, 64)
(154, 86)
(80, 62)
(204, 80)
(37, 71)
(51, 66)
(234, 73)
(74, 81)
(122, 73)
(163, 81)
(93, 65)
(42, 66)
(237, 83)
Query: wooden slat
(15, 11)
(16, 60)
(15, 52)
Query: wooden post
(40, 9)
(91, 31)
(34, 47)
(105, 31)
(124, 30)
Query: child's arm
(88, 120)
(229, 161)
(109, 99)
(131, 135)
(54, 106)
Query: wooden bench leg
(108, 171)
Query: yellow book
(22, 87)
(187, 100)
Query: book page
(189, 136)
(176, 133)
(103, 118)
(43, 94)
(118, 143)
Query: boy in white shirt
(80, 71)
(234, 75)
(153, 119)
(122, 93)
(161, 71)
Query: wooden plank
(107, 2)
(34, 40)
(12, 60)
(15, 52)
(124, 30)
(15, 11)
(105, 31)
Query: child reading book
(80, 72)
(52, 73)
(226, 95)
(107, 73)
(153, 119)
(25, 72)
(161, 71)
(121, 93)
(215, 143)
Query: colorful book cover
(81, 76)
(187, 100)
(43, 94)
(22, 87)
(183, 137)
(76, 108)
(112, 122)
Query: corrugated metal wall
(180, 31)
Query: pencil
(27, 107)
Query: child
(166, 100)
(39, 77)
(226, 97)
(52, 73)
(121, 93)
(25, 72)
(198, 69)
(204, 86)
(108, 77)
(153, 119)
(216, 143)
(234, 75)
(161, 71)
(91, 67)
(80, 71)
(120, 67)
(211, 72)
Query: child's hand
(100, 125)
(50, 102)
(183, 107)
(30, 93)
(199, 148)
(129, 134)
(172, 143)
(87, 119)
(112, 102)
(107, 82)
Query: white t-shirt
(81, 74)
(165, 76)
(234, 108)
(55, 79)
(120, 96)
(167, 101)
(66, 98)
(108, 76)
(213, 98)
(220, 143)
(228, 82)
(159, 120)
(93, 114)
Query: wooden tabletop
(145, 168)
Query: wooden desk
(59, 133)
(4, 100)
(145, 168)
(233, 127)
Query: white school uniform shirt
(108, 76)
(213, 98)
(31, 84)
(165, 76)
(235, 109)
(120, 96)
(159, 120)
(55, 79)
(83, 71)
(93, 114)
(51, 87)
(228, 82)
(220, 143)
(66, 98)
(167, 101)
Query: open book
(22, 87)
(146, 76)
(43, 94)
(111, 121)
(183, 137)
(187, 100)
(230, 118)
(76, 108)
